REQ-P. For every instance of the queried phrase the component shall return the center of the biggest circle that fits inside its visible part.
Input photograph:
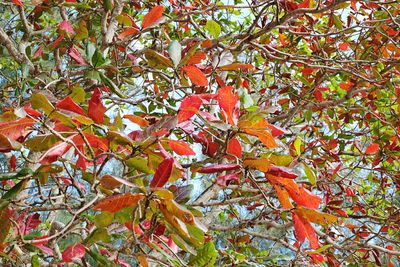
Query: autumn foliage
(199, 133)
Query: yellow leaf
(316, 216)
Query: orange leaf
(372, 149)
(315, 216)
(196, 58)
(128, 32)
(152, 17)
(283, 197)
(136, 119)
(236, 66)
(261, 164)
(229, 103)
(143, 261)
(181, 148)
(303, 229)
(117, 202)
(344, 46)
(264, 136)
(162, 174)
(196, 76)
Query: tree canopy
(199, 133)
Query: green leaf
(297, 145)
(213, 28)
(139, 164)
(206, 256)
(310, 174)
(40, 101)
(100, 234)
(103, 219)
(113, 87)
(41, 142)
(10, 194)
(35, 261)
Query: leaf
(316, 216)
(196, 58)
(162, 174)
(182, 194)
(128, 32)
(189, 107)
(75, 54)
(236, 66)
(234, 148)
(312, 177)
(69, 104)
(196, 76)
(12, 192)
(157, 60)
(281, 172)
(283, 197)
(225, 179)
(136, 119)
(213, 28)
(96, 108)
(143, 261)
(371, 149)
(13, 130)
(55, 152)
(66, 26)
(264, 136)
(181, 148)
(206, 256)
(74, 252)
(175, 52)
(115, 203)
(229, 103)
(261, 164)
(5, 224)
(41, 142)
(152, 17)
(344, 46)
(303, 230)
(18, 3)
(219, 168)
(297, 145)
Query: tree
(199, 133)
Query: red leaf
(229, 104)
(13, 162)
(303, 229)
(181, 148)
(152, 17)
(18, 3)
(305, 198)
(163, 172)
(32, 222)
(54, 152)
(225, 179)
(66, 26)
(219, 168)
(304, 4)
(234, 148)
(189, 107)
(74, 53)
(344, 46)
(117, 202)
(372, 149)
(276, 130)
(16, 129)
(74, 252)
(196, 76)
(96, 108)
(128, 32)
(69, 104)
(346, 86)
(31, 112)
(281, 172)
(38, 53)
